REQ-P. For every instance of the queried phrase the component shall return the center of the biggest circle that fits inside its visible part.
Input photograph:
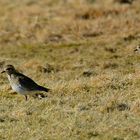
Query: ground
(83, 51)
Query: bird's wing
(27, 82)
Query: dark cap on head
(8, 69)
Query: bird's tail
(40, 88)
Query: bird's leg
(26, 97)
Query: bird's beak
(3, 71)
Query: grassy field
(83, 51)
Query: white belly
(17, 87)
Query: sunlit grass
(81, 50)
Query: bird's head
(9, 69)
(137, 49)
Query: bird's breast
(16, 85)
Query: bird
(20, 83)
(137, 49)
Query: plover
(21, 83)
(137, 49)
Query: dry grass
(83, 51)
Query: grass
(83, 51)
